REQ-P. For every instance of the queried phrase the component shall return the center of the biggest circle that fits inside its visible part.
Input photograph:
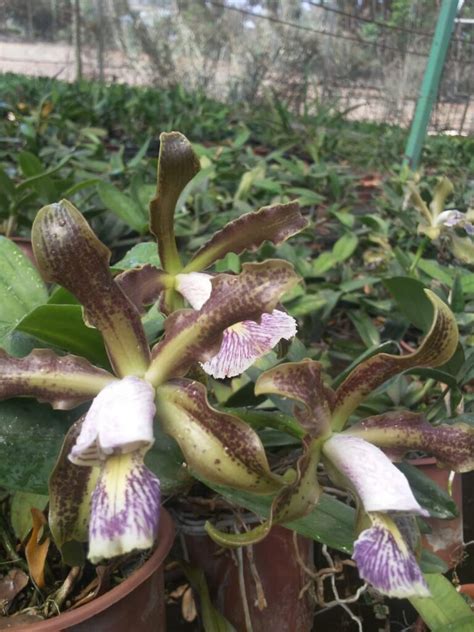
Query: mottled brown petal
(62, 381)
(70, 490)
(143, 285)
(271, 223)
(436, 349)
(68, 253)
(400, 431)
(219, 446)
(192, 336)
(300, 381)
(177, 165)
(294, 501)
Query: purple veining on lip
(244, 343)
(129, 519)
(386, 566)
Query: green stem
(419, 253)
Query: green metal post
(430, 84)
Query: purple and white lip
(383, 557)
(115, 436)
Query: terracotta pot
(446, 537)
(467, 589)
(269, 569)
(135, 604)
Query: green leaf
(445, 610)
(31, 436)
(331, 522)
(20, 514)
(123, 206)
(467, 283)
(411, 299)
(21, 287)
(139, 255)
(430, 495)
(365, 328)
(345, 246)
(212, 619)
(63, 327)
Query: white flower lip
(120, 420)
(380, 486)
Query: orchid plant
(437, 221)
(101, 489)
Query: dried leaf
(10, 585)
(36, 551)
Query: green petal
(300, 381)
(218, 446)
(143, 285)
(401, 431)
(68, 253)
(436, 349)
(177, 165)
(271, 223)
(63, 381)
(443, 189)
(70, 490)
(192, 336)
(462, 248)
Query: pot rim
(165, 538)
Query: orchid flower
(436, 221)
(246, 341)
(354, 458)
(101, 490)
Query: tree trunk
(100, 39)
(77, 38)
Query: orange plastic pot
(137, 603)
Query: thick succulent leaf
(177, 165)
(63, 381)
(294, 501)
(401, 431)
(218, 446)
(192, 336)
(143, 285)
(68, 253)
(270, 223)
(70, 489)
(445, 610)
(436, 349)
(302, 382)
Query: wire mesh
(365, 58)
